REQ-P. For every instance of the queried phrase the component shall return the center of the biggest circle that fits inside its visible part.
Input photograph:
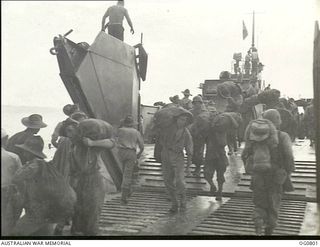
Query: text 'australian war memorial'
(237, 159)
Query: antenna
(253, 13)
(141, 38)
(253, 29)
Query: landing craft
(249, 84)
(104, 80)
(245, 81)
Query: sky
(187, 42)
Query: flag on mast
(244, 30)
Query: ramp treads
(303, 178)
(150, 175)
(235, 218)
(143, 209)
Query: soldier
(68, 110)
(33, 123)
(78, 116)
(62, 159)
(211, 106)
(197, 133)
(309, 120)
(89, 174)
(185, 102)
(255, 61)
(232, 132)
(216, 160)
(34, 222)
(175, 102)
(271, 98)
(128, 140)
(277, 162)
(247, 63)
(116, 14)
(173, 141)
(10, 163)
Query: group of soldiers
(198, 128)
(78, 162)
(267, 154)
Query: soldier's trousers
(267, 197)
(198, 150)
(232, 141)
(128, 158)
(173, 174)
(116, 30)
(8, 219)
(90, 191)
(218, 165)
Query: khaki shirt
(129, 138)
(177, 140)
(10, 163)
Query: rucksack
(261, 136)
(55, 192)
(165, 117)
(261, 157)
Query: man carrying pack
(216, 160)
(116, 14)
(89, 173)
(197, 130)
(269, 158)
(34, 222)
(48, 198)
(174, 140)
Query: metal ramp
(150, 173)
(234, 218)
(303, 179)
(143, 209)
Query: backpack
(262, 136)
(165, 117)
(55, 192)
(261, 157)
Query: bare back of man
(116, 15)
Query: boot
(258, 223)
(174, 208)
(268, 231)
(58, 230)
(130, 193)
(219, 193)
(213, 188)
(183, 202)
(174, 201)
(258, 230)
(124, 196)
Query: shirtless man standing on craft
(116, 13)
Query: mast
(253, 29)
